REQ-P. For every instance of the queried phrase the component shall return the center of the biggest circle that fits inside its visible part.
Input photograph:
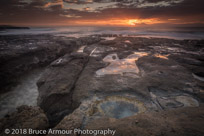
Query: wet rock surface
(19, 54)
(57, 84)
(125, 79)
(186, 123)
(138, 86)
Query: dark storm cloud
(44, 11)
(24, 11)
(79, 1)
(148, 9)
(186, 8)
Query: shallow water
(166, 100)
(81, 49)
(187, 101)
(109, 38)
(162, 56)
(127, 41)
(120, 107)
(121, 66)
(25, 93)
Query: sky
(101, 12)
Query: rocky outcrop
(57, 84)
(134, 82)
(22, 53)
(70, 122)
(25, 118)
(177, 122)
(136, 86)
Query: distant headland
(3, 27)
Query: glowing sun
(133, 22)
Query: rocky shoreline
(134, 85)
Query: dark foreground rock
(25, 118)
(19, 54)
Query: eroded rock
(25, 118)
(23, 53)
(177, 122)
(57, 84)
(149, 84)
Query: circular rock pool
(120, 107)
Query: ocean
(179, 33)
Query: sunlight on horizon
(120, 22)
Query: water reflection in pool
(120, 66)
(120, 107)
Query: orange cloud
(57, 2)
